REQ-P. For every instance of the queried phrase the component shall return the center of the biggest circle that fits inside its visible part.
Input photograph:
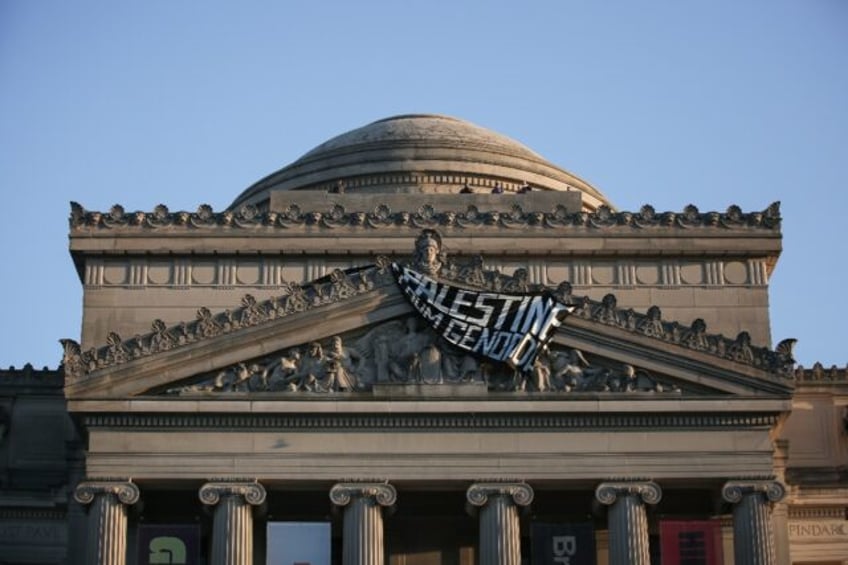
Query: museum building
(422, 343)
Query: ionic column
(107, 518)
(362, 535)
(753, 538)
(627, 519)
(500, 533)
(232, 529)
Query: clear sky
(711, 103)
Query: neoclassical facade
(271, 365)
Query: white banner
(298, 543)
(511, 328)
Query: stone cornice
(337, 287)
(205, 221)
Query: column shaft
(232, 532)
(753, 542)
(107, 518)
(628, 520)
(362, 534)
(107, 531)
(500, 529)
(500, 536)
(753, 536)
(628, 531)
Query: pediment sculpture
(405, 352)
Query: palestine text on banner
(511, 328)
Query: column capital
(649, 491)
(212, 492)
(125, 490)
(734, 491)
(383, 493)
(478, 494)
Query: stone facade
(261, 364)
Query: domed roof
(420, 153)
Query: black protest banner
(562, 544)
(511, 328)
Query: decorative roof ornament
(249, 217)
(819, 375)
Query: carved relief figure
(473, 272)
(567, 368)
(405, 354)
(418, 357)
(248, 378)
(541, 375)
(426, 365)
(341, 366)
(519, 282)
(311, 368)
(279, 376)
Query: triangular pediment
(266, 349)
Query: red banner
(691, 542)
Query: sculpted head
(428, 250)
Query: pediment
(288, 348)
(402, 357)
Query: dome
(420, 153)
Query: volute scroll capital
(126, 491)
(649, 491)
(734, 491)
(383, 494)
(478, 494)
(212, 492)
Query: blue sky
(183, 103)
